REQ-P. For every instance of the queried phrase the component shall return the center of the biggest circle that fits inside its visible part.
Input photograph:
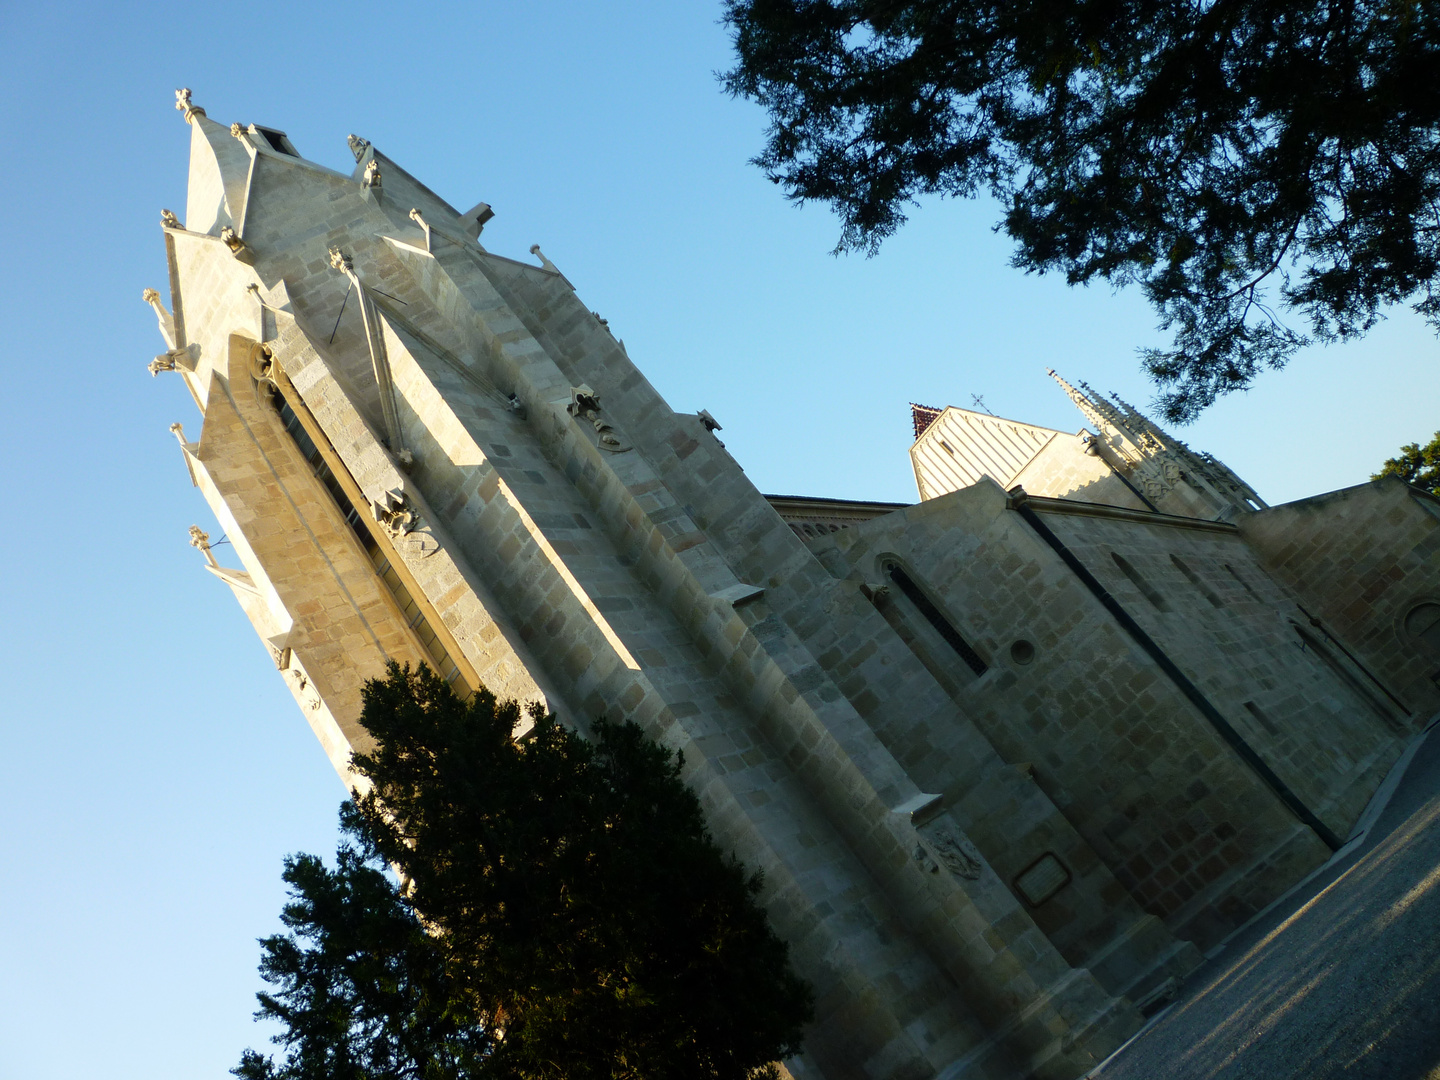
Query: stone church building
(1012, 758)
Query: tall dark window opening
(935, 618)
(414, 617)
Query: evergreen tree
(362, 991)
(1233, 157)
(578, 919)
(1417, 465)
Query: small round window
(1022, 652)
(1423, 623)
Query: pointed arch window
(410, 611)
(935, 617)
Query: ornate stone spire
(1082, 401)
(1111, 414)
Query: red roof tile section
(923, 416)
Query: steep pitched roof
(960, 446)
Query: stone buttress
(426, 452)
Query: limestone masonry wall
(995, 829)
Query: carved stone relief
(945, 844)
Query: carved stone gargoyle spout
(585, 405)
(395, 513)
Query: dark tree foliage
(361, 990)
(581, 921)
(1235, 158)
(1417, 465)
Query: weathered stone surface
(430, 453)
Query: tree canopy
(564, 913)
(1417, 465)
(1236, 159)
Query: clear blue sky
(154, 771)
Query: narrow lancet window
(1149, 591)
(1243, 583)
(1199, 582)
(936, 618)
(415, 619)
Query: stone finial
(358, 146)
(371, 178)
(200, 540)
(419, 219)
(168, 220)
(167, 324)
(535, 250)
(186, 106)
(340, 261)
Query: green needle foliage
(361, 990)
(578, 919)
(1235, 158)
(1417, 465)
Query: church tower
(1000, 803)
(1126, 460)
(1170, 476)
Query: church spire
(1082, 401)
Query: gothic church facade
(1012, 758)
